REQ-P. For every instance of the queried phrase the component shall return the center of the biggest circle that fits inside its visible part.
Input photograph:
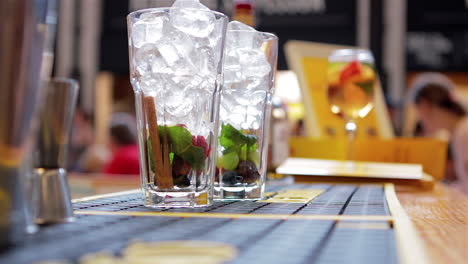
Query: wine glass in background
(350, 87)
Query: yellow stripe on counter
(244, 216)
(100, 196)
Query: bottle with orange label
(244, 11)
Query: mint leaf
(171, 157)
(180, 140)
(230, 150)
(195, 156)
(235, 141)
(231, 137)
(251, 139)
(243, 152)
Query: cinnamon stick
(163, 175)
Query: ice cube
(254, 63)
(236, 119)
(146, 58)
(178, 63)
(203, 60)
(151, 86)
(236, 39)
(177, 103)
(236, 25)
(257, 97)
(214, 39)
(227, 103)
(239, 109)
(241, 96)
(176, 48)
(186, 82)
(249, 122)
(217, 33)
(253, 83)
(138, 34)
(208, 84)
(169, 53)
(253, 110)
(159, 66)
(193, 18)
(188, 4)
(255, 124)
(148, 29)
(232, 67)
(181, 41)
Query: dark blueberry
(248, 170)
(181, 181)
(231, 177)
(180, 166)
(217, 174)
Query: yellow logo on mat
(294, 196)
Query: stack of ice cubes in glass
(175, 57)
(247, 77)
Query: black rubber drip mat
(367, 200)
(359, 242)
(335, 200)
(258, 240)
(293, 241)
(331, 202)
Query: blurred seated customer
(440, 109)
(123, 145)
(93, 159)
(85, 155)
(82, 135)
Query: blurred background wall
(405, 36)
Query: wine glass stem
(350, 128)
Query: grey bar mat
(258, 240)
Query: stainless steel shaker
(22, 33)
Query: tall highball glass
(176, 73)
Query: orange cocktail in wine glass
(351, 81)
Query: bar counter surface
(298, 223)
(441, 219)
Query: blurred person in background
(82, 136)
(443, 112)
(86, 156)
(123, 146)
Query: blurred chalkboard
(114, 44)
(328, 21)
(437, 37)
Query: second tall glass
(249, 70)
(176, 68)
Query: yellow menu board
(309, 60)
